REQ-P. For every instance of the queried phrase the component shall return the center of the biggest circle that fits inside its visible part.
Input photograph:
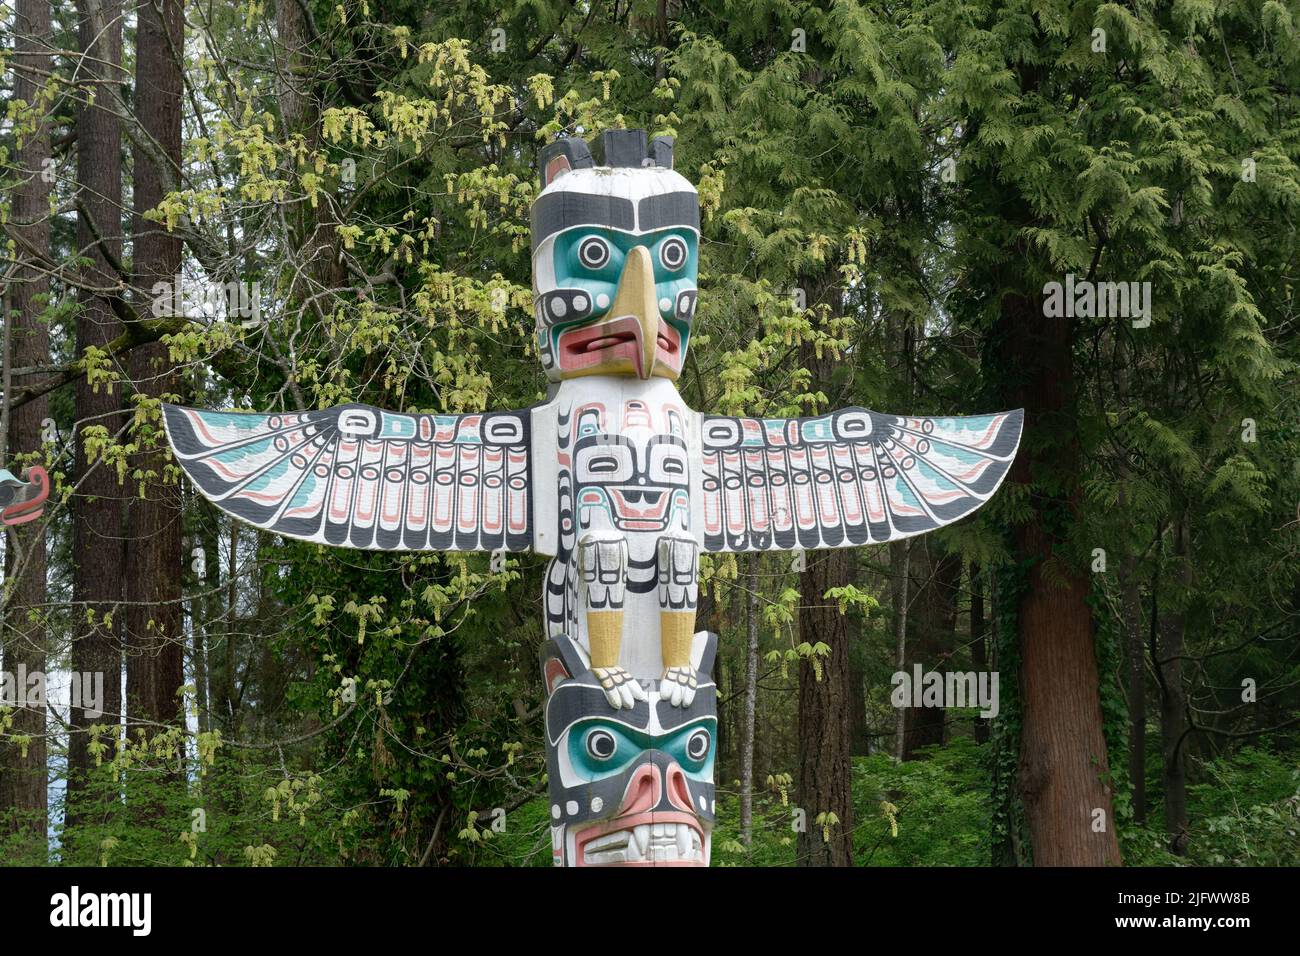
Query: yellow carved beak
(636, 298)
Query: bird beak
(635, 298)
(29, 508)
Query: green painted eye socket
(599, 748)
(598, 255)
(589, 257)
(692, 748)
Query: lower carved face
(628, 787)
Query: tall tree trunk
(314, 230)
(751, 702)
(221, 666)
(825, 741)
(705, 611)
(155, 659)
(900, 566)
(979, 650)
(199, 650)
(1173, 702)
(222, 792)
(933, 641)
(902, 339)
(1064, 767)
(825, 766)
(97, 587)
(859, 732)
(23, 773)
(1135, 650)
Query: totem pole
(23, 501)
(615, 479)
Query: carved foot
(678, 686)
(621, 690)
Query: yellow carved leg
(605, 634)
(678, 595)
(676, 633)
(605, 638)
(603, 564)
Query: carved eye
(601, 744)
(697, 745)
(668, 465)
(600, 464)
(594, 252)
(672, 253)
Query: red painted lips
(616, 346)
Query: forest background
(294, 204)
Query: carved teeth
(656, 843)
(635, 852)
(608, 841)
(684, 842)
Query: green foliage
(889, 177)
(1245, 812)
(933, 811)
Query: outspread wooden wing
(852, 477)
(360, 477)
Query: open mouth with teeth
(615, 346)
(644, 839)
(640, 508)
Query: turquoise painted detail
(905, 492)
(398, 426)
(461, 436)
(963, 455)
(272, 474)
(304, 492)
(816, 429)
(937, 477)
(244, 422)
(612, 754)
(977, 423)
(570, 273)
(233, 455)
(603, 507)
(679, 512)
